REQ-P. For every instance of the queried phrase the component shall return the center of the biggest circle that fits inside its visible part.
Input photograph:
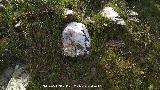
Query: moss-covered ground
(136, 66)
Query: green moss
(135, 66)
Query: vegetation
(136, 66)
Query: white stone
(68, 11)
(76, 40)
(110, 13)
(19, 80)
(18, 25)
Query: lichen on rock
(76, 40)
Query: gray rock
(5, 77)
(19, 80)
(76, 40)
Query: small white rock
(68, 11)
(76, 40)
(18, 25)
(110, 13)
